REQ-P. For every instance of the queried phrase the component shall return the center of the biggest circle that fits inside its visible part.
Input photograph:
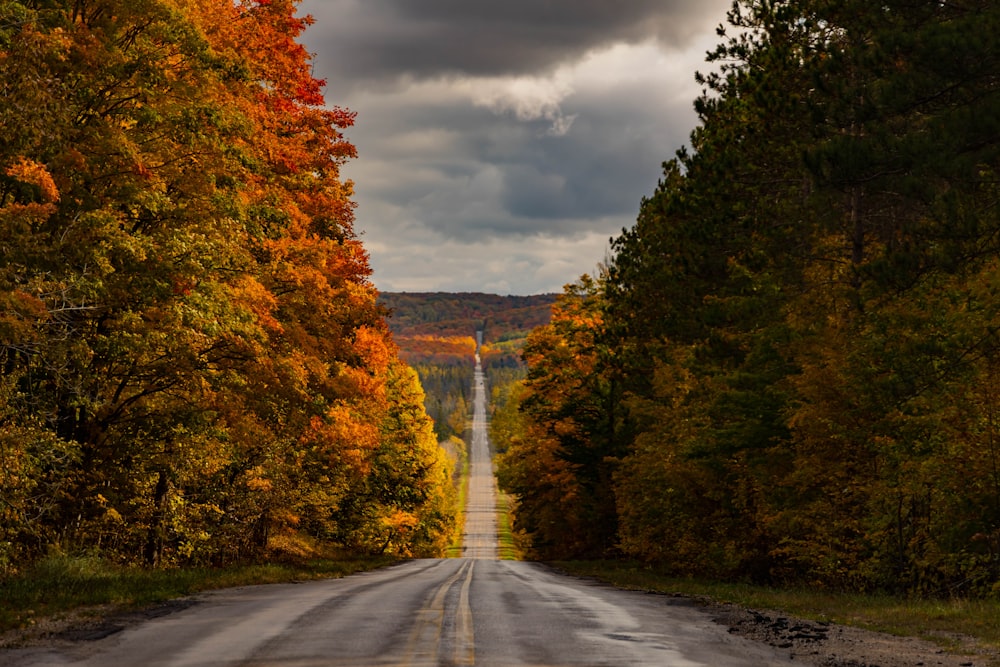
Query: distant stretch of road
(480, 537)
(474, 610)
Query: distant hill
(448, 314)
(436, 333)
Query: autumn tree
(905, 159)
(560, 464)
(809, 342)
(194, 359)
(798, 325)
(407, 505)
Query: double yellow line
(423, 648)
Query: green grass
(505, 535)
(61, 584)
(936, 620)
(455, 550)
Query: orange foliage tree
(558, 464)
(194, 360)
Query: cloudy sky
(503, 142)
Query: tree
(408, 505)
(194, 359)
(797, 319)
(561, 468)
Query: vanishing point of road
(474, 610)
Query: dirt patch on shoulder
(829, 645)
(88, 624)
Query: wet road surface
(475, 610)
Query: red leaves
(309, 92)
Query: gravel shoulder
(829, 645)
(86, 625)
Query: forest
(195, 367)
(436, 334)
(788, 371)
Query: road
(474, 610)
(480, 537)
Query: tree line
(195, 368)
(788, 370)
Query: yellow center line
(465, 637)
(424, 644)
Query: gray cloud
(466, 171)
(369, 41)
(501, 144)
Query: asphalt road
(421, 613)
(480, 537)
(475, 610)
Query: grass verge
(455, 550)
(507, 547)
(61, 584)
(936, 620)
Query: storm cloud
(501, 144)
(389, 39)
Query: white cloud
(528, 98)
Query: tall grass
(60, 584)
(455, 550)
(505, 535)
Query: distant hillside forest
(448, 314)
(436, 334)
